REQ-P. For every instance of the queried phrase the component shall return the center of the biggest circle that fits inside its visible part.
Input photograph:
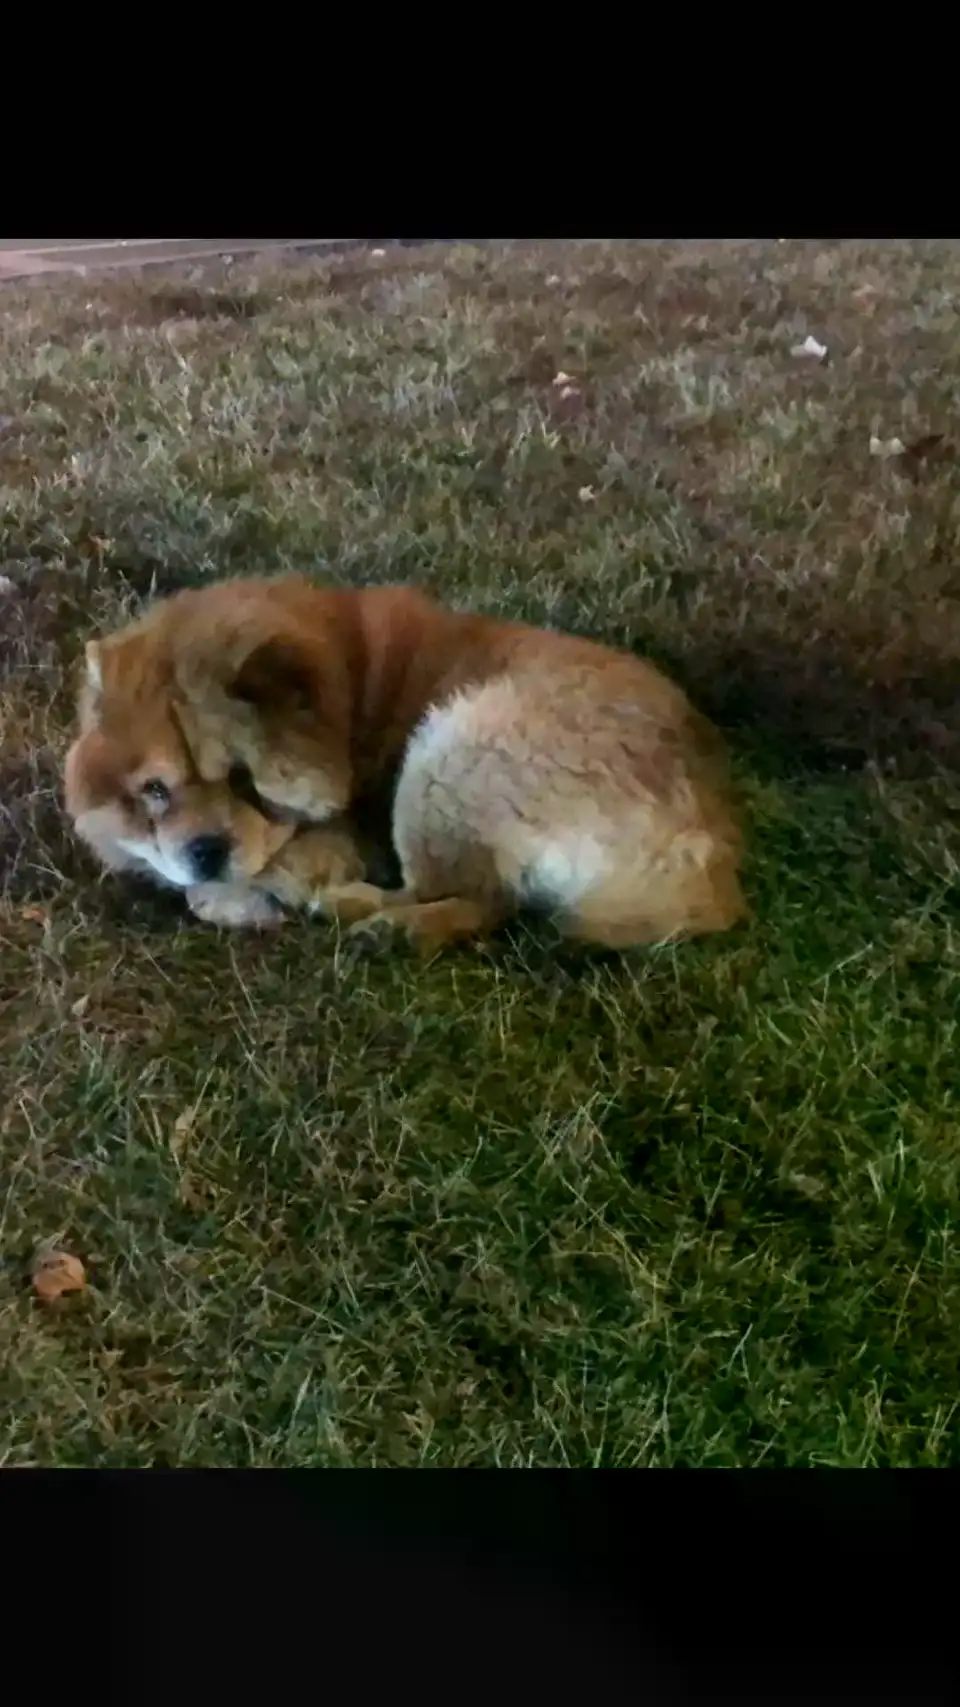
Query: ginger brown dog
(137, 799)
(523, 766)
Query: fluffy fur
(521, 766)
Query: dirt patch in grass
(689, 1207)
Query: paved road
(22, 257)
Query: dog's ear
(276, 677)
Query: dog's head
(248, 677)
(134, 789)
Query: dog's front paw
(234, 905)
(372, 934)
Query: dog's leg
(297, 876)
(312, 864)
(430, 925)
(353, 903)
(633, 909)
(236, 906)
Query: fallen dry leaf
(80, 1006)
(95, 544)
(182, 1127)
(567, 401)
(190, 1191)
(925, 453)
(56, 1272)
(865, 296)
(36, 915)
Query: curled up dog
(518, 766)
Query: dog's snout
(208, 855)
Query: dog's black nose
(208, 855)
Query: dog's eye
(156, 792)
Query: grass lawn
(690, 1207)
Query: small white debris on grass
(6, 585)
(886, 447)
(810, 347)
(586, 495)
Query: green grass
(690, 1207)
